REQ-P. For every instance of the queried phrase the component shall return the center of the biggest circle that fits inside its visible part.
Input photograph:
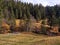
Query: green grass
(28, 39)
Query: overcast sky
(43, 2)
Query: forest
(10, 10)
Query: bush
(44, 29)
(36, 30)
(4, 30)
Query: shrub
(44, 29)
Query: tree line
(11, 10)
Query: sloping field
(28, 39)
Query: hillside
(28, 39)
(17, 19)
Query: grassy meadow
(28, 39)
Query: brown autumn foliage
(21, 27)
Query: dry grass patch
(28, 39)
